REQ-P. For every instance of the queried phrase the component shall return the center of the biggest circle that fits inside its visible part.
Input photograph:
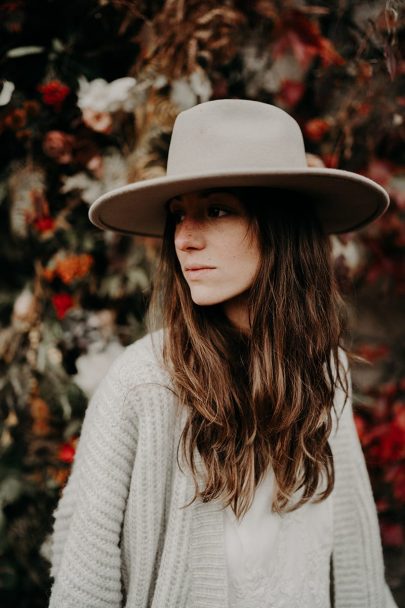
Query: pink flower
(291, 92)
(58, 145)
(98, 121)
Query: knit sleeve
(85, 552)
(357, 545)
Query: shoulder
(137, 377)
(140, 363)
(135, 385)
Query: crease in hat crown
(240, 143)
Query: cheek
(245, 262)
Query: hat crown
(232, 134)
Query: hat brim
(344, 201)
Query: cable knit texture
(121, 537)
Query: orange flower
(16, 119)
(316, 128)
(32, 107)
(41, 428)
(59, 476)
(74, 267)
(48, 274)
(40, 416)
(70, 268)
(39, 409)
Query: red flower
(331, 160)
(303, 37)
(316, 128)
(44, 224)
(373, 353)
(389, 446)
(360, 427)
(67, 452)
(291, 92)
(54, 93)
(62, 302)
(396, 476)
(328, 54)
(379, 170)
(392, 534)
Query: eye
(176, 214)
(216, 211)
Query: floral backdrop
(89, 93)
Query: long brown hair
(265, 398)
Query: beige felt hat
(236, 143)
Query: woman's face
(218, 254)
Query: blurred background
(89, 92)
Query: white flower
(93, 366)
(6, 92)
(201, 85)
(23, 183)
(113, 175)
(182, 95)
(102, 96)
(24, 305)
(352, 251)
(89, 188)
(45, 549)
(261, 72)
(187, 92)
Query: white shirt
(279, 561)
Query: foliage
(91, 89)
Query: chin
(205, 299)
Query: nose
(189, 234)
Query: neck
(237, 312)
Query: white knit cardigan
(121, 538)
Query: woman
(219, 463)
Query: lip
(198, 267)
(194, 272)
